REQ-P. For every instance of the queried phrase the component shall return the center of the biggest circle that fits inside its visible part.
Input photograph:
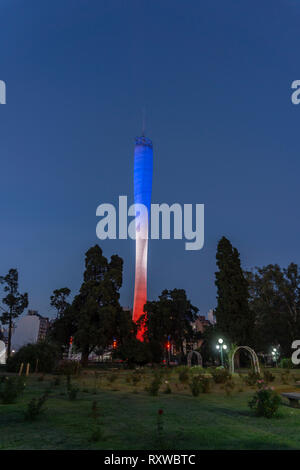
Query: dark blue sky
(215, 80)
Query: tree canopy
(234, 317)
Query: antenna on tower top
(143, 121)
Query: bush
(229, 386)
(11, 388)
(286, 363)
(45, 353)
(199, 384)
(112, 377)
(154, 386)
(285, 377)
(195, 385)
(251, 378)
(268, 376)
(265, 402)
(136, 377)
(184, 375)
(56, 381)
(72, 392)
(68, 367)
(36, 407)
(168, 389)
(220, 375)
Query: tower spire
(143, 122)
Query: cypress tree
(234, 317)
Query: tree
(58, 300)
(169, 319)
(63, 327)
(96, 307)
(14, 301)
(275, 302)
(233, 315)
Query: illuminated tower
(143, 166)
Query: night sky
(215, 80)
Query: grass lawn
(128, 416)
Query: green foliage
(268, 376)
(134, 352)
(199, 384)
(96, 308)
(68, 367)
(251, 378)
(10, 389)
(59, 300)
(286, 363)
(112, 377)
(183, 374)
(14, 301)
(229, 386)
(136, 377)
(220, 375)
(285, 376)
(154, 386)
(56, 381)
(171, 316)
(72, 392)
(234, 318)
(167, 390)
(46, 353)
(36, 407)
(265, 402)
(276, 292)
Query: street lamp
(275, 355)
(220, 347)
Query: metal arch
(199, 358)
(253, 356)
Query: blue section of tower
(143, 168)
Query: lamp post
(220, 347)
(275, 355)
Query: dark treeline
(260, 309)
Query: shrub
(136, 377)
(251, 378)
(112, 377)
(197, 369)
(11, 388)
(268, 376)
(45, 353)
(184, 375)
(229, 386)
(36, 407)
(286, 363)
(72, 392)
(168, 389)
(195, 385)
(285, 376)
(68, 367)
(154, 386)
(265, 402)
(56, 381)
(220, 375)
